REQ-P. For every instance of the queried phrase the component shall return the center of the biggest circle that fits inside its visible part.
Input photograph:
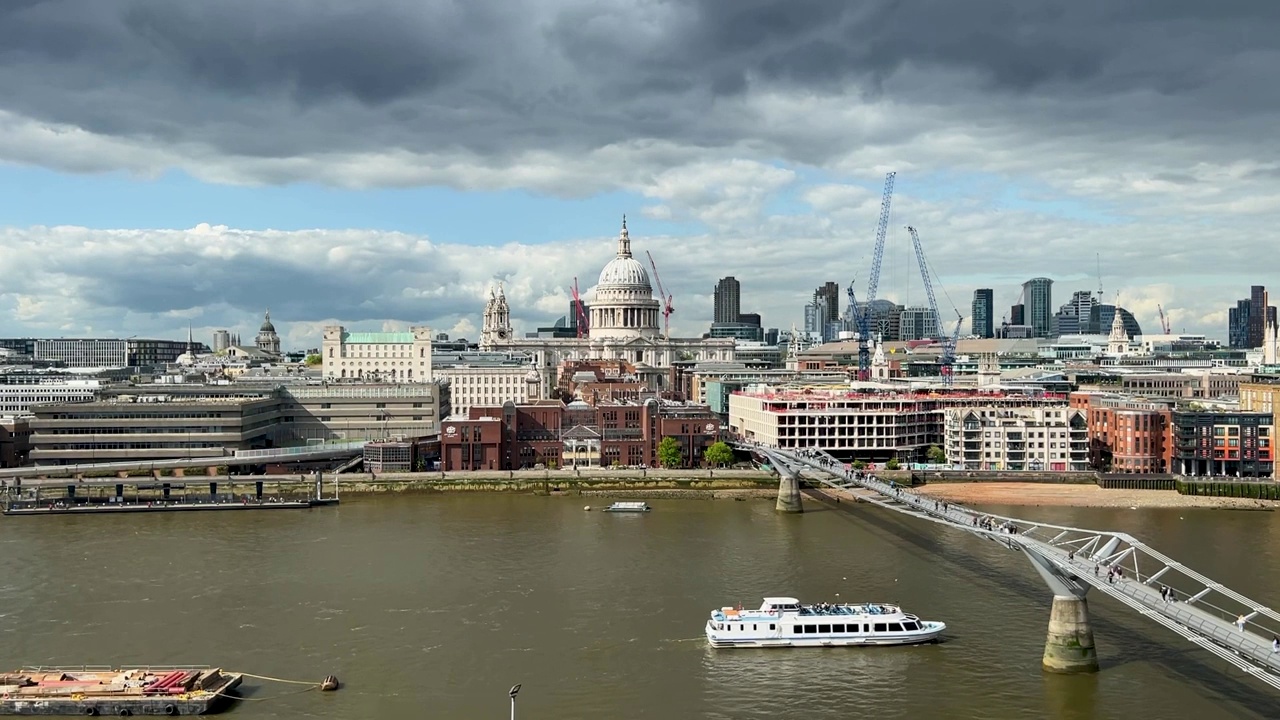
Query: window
(825, 629)
(910, 626)
(880, 627)
(895, 627)
(837, 628)
(798, 629)
(811, 629)
(772, 626)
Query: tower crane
(579, 311)
(948, 342)
(1164, 320)
(863, 318)
(667, 306)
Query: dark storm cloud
(307, 77)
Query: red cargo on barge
(115, 691)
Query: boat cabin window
(837, 628)
(910, 626)
(753, 626)
(895, 627)
(880, 627)
(824, 629)
(772, 626)
(811, 628)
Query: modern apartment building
(101, 352)
(981, 319)
(1127, 435)
(1232, 444)
(1027, 438)
(866, 426)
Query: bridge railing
(301, 450)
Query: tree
(313, 360)
(892, 464)
(669, 453)
(719, 454)
(937, 455)
(859, 464)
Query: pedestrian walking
(1164, 593)
(1240, 622)
(1275, 644)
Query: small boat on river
(785, 622)
(629, 507)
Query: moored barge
(122, 692)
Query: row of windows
(825, 629)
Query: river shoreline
(1035, 494)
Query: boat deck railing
(36, 669)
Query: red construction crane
(667, 307)
(1164, 320)
(579, 311)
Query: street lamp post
(515, 690)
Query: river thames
(432, 606)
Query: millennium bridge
(1071, 561)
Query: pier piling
(1068, 647)
(788, 494)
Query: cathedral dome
(266, 323)
(625, 272)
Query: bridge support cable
(1073, 560)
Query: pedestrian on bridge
(1275, 644)
(1240, 622)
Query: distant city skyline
(206, 181)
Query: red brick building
(1127, 435)
(553, 434)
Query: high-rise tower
(981, 323)
(728, 300)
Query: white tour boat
(784, 622)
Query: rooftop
(377, 338)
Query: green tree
(937, 455)
(719, 454)
(313, 360)
(859, 464)
(669, 454)
(892, 464)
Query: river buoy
(329, 684)
(587, 508)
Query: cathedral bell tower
(497, 320)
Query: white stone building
(479, 381)
(625, 324)
(1025, 438)
(396, 357)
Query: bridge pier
(1068, 647)
(788, 494)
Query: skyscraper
(1073, 317)
(1247, 321)
(728, 300)
(831, 292)
(1037, 293)
(980, 322)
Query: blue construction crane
(948, 342)
(863, 319)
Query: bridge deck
(1200, 610)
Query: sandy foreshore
(998, 493)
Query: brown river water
(432, 606)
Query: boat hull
(928, 634)
(90, 703)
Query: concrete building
(918, 323)
(221, 340)
(625, 324)
(157, 422)
(552, 434)
(1247, 322)
(150, 427)
(1074, 317)
(982, 323)
(1037, 294)
(401, 357)
(728, 300)
(1027, 438)
(830, 293)
(15, 440)
(866, 426)
(20, 392)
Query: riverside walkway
(1072, 561)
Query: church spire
(624, 240)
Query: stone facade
(1031, 438)
(400, 357)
